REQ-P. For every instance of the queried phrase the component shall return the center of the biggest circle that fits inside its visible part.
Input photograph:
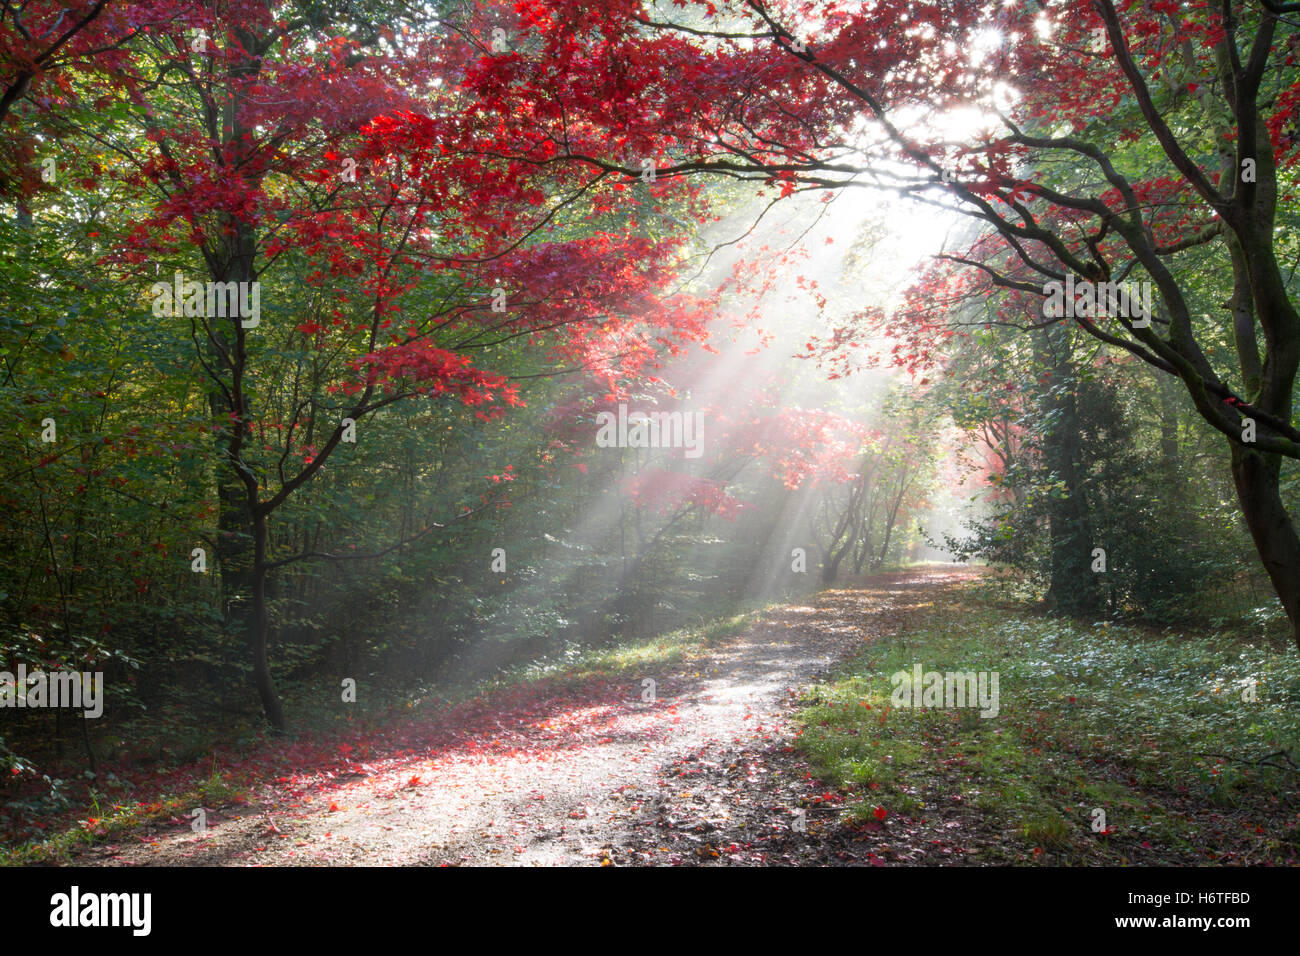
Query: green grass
(102, 824)
(635, 656)
(1091, 716)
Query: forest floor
(593, 774)
(772, 741)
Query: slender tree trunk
(242, 527)
(903, 483)
(260, 630)
(241, 531)
(865, 549)
(846, 531)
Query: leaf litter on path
(582, 775)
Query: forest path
(703, 774)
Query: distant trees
(858, 521)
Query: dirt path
(701, 774)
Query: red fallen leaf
(334, 807)
(881, 813)
(413, 782)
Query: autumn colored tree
(1175, 122)
(244, 137)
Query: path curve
(702, 774)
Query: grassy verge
(1110, 744)
(112, 821)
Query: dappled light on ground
(540, 774)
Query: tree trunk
(831, 566)
(864, 549)
(260, 629)
(1256, 477)
(242, 527)
(903, 483)
(845, 533)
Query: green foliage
(1090, 716)
(1103, 457)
